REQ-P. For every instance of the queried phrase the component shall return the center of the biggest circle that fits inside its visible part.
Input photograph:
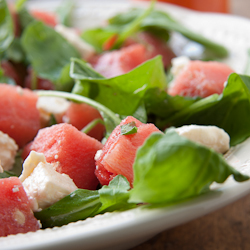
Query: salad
(128, 153)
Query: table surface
(224, 229)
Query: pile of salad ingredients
(102, 120)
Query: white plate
(123, 230)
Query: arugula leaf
(49, 54)
(163, 21)
(159, 103)
(133, 27)
(229, 111)
(77, 206)
(169, 168)
(6, 27)
(121, 94)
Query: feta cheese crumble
(42, 183)
(209, 136)
(8, 150)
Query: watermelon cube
(19, 117)
(71, 151)
(198, 78)
(119, 152)
(16, 215)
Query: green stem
(91, 125)
(74, 97)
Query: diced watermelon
(201, 79)
(154, 45)
(119, 152)
(80, 115)
(48, 18)
(71, 150)
(119, 62)
(19, 117)
(16, 215)
(134, 52)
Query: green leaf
(20, 4)
(170, 168)
(164, 20)
(24, 16)
(159, 103)
(15, 52)
(98, 36)
(129, 128)
(6, 27)
(77, 206)
(229, 111)
(133, 26)
(53, 63)
(122, 94)
(115, 195)
(158, 20)
(83, 203)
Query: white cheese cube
(48, 105)
(8, 150)
(209, 136)
(44, 186)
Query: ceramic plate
(123, 230)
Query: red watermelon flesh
(154, 45)
(134, 52)
(119, 152)
(80, 115)
(48, 18)
(72, 150)
(16, 215)
(118, 62)
(19, 117)
(201, 79)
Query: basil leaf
(170, 168)
(49, 54)
(122, 94)
(6, 27)
(129, 128)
